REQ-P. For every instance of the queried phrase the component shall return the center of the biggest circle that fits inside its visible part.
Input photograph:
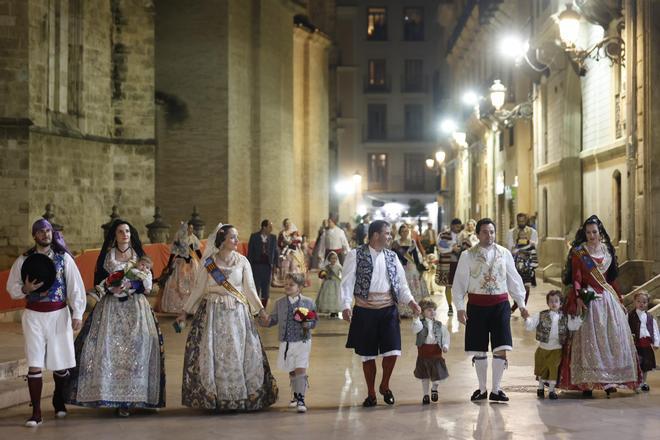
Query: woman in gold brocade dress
(225, 367)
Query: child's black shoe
(434, 395)
(540, 393)
(426, 400)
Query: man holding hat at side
(46, 276)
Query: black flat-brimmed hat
(41, 268)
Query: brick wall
(63, 147)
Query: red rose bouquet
(303, 315)
(115, 279)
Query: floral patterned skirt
(119, 356)
(225, 367)
(601, 351)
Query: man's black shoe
(369, 402)
(499, 397)
(478, 395)
(388, 397)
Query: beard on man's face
(43, 242)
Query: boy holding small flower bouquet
(295, 316)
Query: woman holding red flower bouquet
(601, 354)
(296, 316)
(119, 351)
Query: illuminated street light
(514, 47)
(344, 187)
(439, 157)
(497, 94)
(430, 163)
(569, 26)
(524, 110)
(357, 178)
(448, 126)
(610, 47)
(470, 98)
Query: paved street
(337, 390)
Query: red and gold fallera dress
(601, 352)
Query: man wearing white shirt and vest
(487, 275)
(334, 240)
(48, 325)
(374, 277)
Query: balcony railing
(377, 85)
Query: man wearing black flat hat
(48, 285)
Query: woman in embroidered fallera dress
(225, 367)
(601, 354)
(410, 258)
(119, 352)
(182, 268)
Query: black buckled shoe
(478, 395)
(388, 397)
(499, 397)
(610, 390)
(434, 395)
(552, 395)
(540, 393)
(645, 387)
(370, 402)
(426, 400)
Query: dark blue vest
(365, 268)
(57, 292)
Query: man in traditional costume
(449, 249)
(487, 274)
(522, 241)
(334, 240)
(375, 278)
(46, 276)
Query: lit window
(376, 24)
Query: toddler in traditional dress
(328, 298)
(295, 316)
(432, 340)
(552, 328)
(644, 329)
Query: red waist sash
(487, 300)
(45, 306)
(644, 342)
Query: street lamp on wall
(504, 117)
(497, 94)
(610, 47)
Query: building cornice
(612, 151)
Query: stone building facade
(390, 79)
(593, 140)
(491, 171)
(243, 129)
(221, 105)
(76, 116)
